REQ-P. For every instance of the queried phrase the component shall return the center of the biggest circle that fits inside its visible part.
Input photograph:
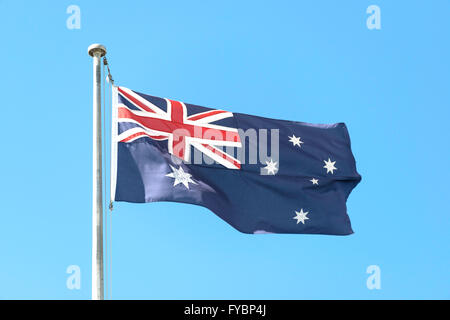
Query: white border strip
(114, 141)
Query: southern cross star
(271, 167)
(180, 177)
(314, 181)
(301, 216)
(295, 141)
(329, 165)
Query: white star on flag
(295, 141)
(301, 216)
(271, 167)
(329, 165)
(314, 181)
(180, 177)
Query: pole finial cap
(96, 48)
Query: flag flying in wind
(260, 175)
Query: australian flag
(260, 175)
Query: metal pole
(96, 51)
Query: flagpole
(97, 51)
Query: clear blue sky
(314, 62)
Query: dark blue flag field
(260, 175)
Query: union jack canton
(180, 130)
